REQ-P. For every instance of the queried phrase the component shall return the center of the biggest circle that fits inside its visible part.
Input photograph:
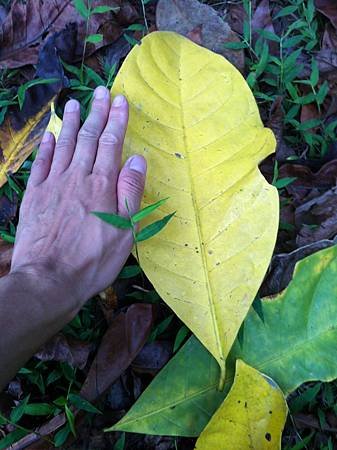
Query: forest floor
(287, 51)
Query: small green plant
(131, 221)
(281, 183)
(275, 69)
(10, 97)
(85, 9)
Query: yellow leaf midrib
(205, 266)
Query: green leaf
(299, 325)
(81, 8)
(308, 124)
(93, 76)
(263, 61)
(314, 76)
(147, 210)
(306, 99)
(135, 27)
(114, 219)
(291, 60)
(129, 272)
(303, 399)
(130, 39)
(10, 438)
(286, 11)
(61, 436)
(71, 419)
(181, 404)
(160, 328)
(120, 443)
(322, 92)
(7, 237)
(283, 182)
(23, 88)
(104, 9)
(293, 41)
(3, 112)
(269, 35)
(180, 337)
(39, 409)
(235, 45)
(71, 69)
(94, 38)
(81, 403)
(153, 228)
(19, 410)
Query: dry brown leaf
(21, 132)
(201, 24)
(317, 218)
(329, 9)
(282, 267)
(121, 343)
(64, 349)
(17, 143)
(28, 23)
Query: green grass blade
(147, 210)
(114, 219)
(154, 228)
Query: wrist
(51, 287)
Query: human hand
(57, 237)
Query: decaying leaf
(22, 130)
(61, 348)
(125, 337)
(251, 417)
(329, 9)
(27, 24)
(294, 343)
(205, 160)
(262, 18)
(17, 143)
(152, 357)
(317, 218)
(282, 266)
(201, 24)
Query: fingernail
(47, 137)
(101, 92)
(72, 106)
(137, 163)
(118, 100)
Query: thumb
(130, 186)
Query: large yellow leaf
(251, 417)
(195, 120)
(18, 140)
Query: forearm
(32, 309)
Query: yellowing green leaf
(295, 343)
(182, 397)
(251, 417)
(17, 141)
(195, 120)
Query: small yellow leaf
(195, 120)
(19, 139)
(55, 123)
(251, 417)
